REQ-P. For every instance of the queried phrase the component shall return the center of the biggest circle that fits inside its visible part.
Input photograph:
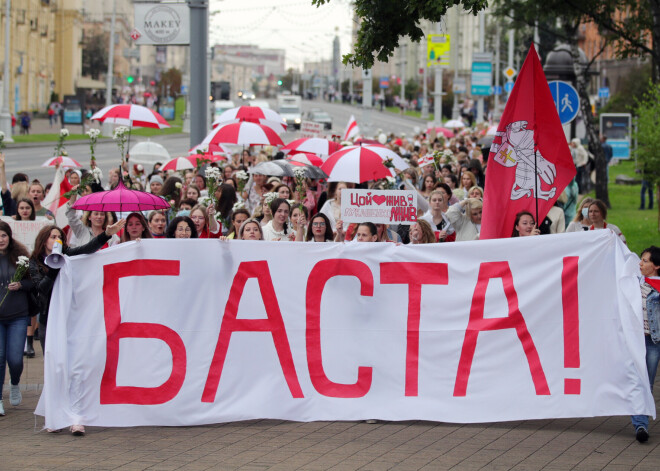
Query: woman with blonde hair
(91, 225)
(467, 224)
(421, 233)
(581, 221)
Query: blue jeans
(652, 360)
(12, 341)
(646, 187)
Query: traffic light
(279, 83)
(130, 79)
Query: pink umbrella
(131, 115)
(243, 133)
(179, 163)
(444, 131)
(121, 199)
(355, 164)
(315, 145)
(305, 158)
(63, 161)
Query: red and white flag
(55, 201)
(529, 159)
(352, 129)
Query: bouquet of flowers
(22, 266)
(388, 163)
(59, 147)
(270, 197)
(300, 175)
(442, 157)
(242, 177)
(93, 137)
(238, 205)
(391, 183)
(2, 140)
(120, 136)
(94, 176)
(213, 181)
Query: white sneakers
(15, 396)
(2, 409)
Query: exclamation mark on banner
(569, 295)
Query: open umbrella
(455, 123)
(355, 164)
(149, 153)
(215, 148)
(306, 158)
(388, 154)
(135, 116)
(243, 133)
(311, 171)
(66, 162)
(179, 163)
(253, 114)
(121, 199)
(444, 131)
(315, 145)
(284, 168)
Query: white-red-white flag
(352, 129)
(55, 201)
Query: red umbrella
(371, 142)
(215, 148)
(243, 133)
(305, 158)
(444, 131)
(355, 164)
(131, 115)
(61, 160)
(121, 199)
(315, 145)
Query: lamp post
(5, 116)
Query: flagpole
(536, 191)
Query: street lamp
(5, 117)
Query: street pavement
(583, 444)
(589, 443)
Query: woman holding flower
(206, 224)
(226, 199)
(14, 311)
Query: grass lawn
(412, 113)
(639, 227)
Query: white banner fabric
(26, 231)
(184, 332)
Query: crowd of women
(450, 203)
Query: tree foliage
(95, 55)
(170, 82)
(384, 22)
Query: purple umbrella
(121, 199)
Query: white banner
(26, 231)
(161, 24)
(379, 206)
(184, 332)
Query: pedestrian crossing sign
(438, 47)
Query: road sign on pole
(566, 100)
(508, 87)
(438, 47)
(482, 74)
(510, 72)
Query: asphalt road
(28, 158)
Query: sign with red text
(26, 231)
(188, 332)
(379, 206)
(311, 129)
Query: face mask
(585, 212)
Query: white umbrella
(149, 153)
(454, 123)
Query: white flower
(2, 136)
(178, 185)
(213, 173)
(390, 180)
(64, 132)
(291, 202)
(299, 172)
(242, 175)
(93, 133)
(202, 149)
(120, 133)
(97, 174)
(204, 200)
(23, 261)
(238, 205)
(269, 197)
(447, 154)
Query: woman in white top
(332, 207)
(277, 229)
(581, 221)
(436, 216)
(89, 226)
(468, 224)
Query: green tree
(648, 138)
(629, 91)
(383, 22)
(170, 82)
(95, 55)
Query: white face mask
(585, 212)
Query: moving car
(319, 116)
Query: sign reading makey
(379, 206)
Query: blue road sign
(184, 89)
(497, 90)
(603, 92)
(508, 87)
(566, 100)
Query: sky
(303, 30)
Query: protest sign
(379, 206)
(206, 331)
(26, 231)
(311, 129)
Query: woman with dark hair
(205, 222)
(157, 224)
(524, 225)
(366, 232)
(226, 196)
(136, 228)
(238, 217)
(14, 313)
(43, 277)
(25, 210)
(192, 192)
(319, 229)
(171, 191)
(181, 227)
(428, 184)
(277, 229)
(283, 191)
(598, 216)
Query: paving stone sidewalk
(588, 444)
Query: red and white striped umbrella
(215, 148)
(205, 158)
(389, 154)
(355, 164)
(315, 145)
(135, 116)
(63, 161)
(243, 133)
(305, 158)
(251, 114)
(276, 126)
(180, 163)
